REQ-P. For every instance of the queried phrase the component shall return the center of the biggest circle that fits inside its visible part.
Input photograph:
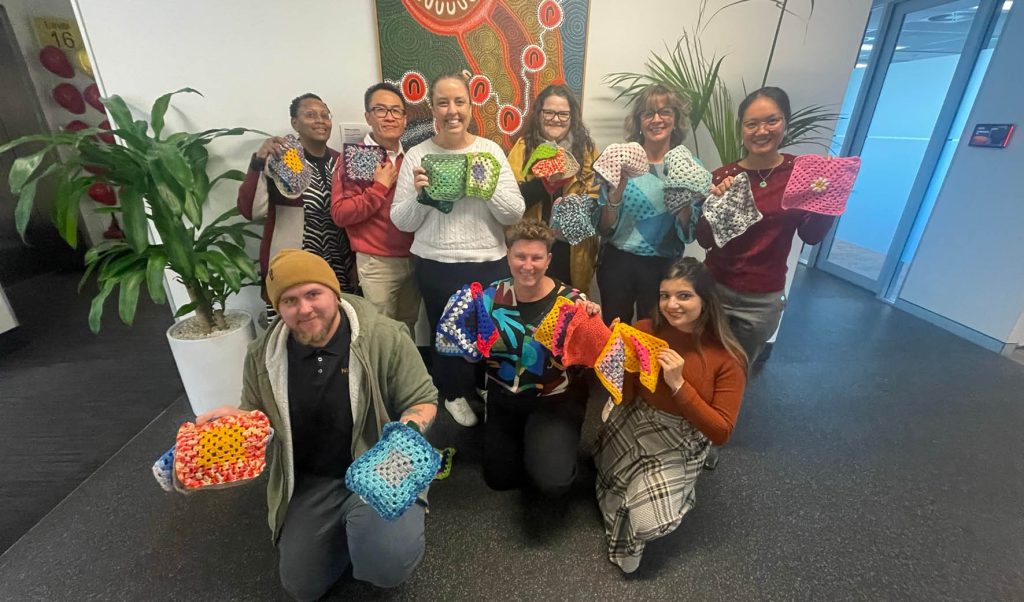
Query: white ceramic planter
(211, 369)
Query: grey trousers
(328, 527)
(753, 317)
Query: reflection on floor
(857, 259)
(877, 457)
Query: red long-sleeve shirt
(755, 261)
(365, 213)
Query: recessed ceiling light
(861, 66)
(901, 48)
(866, 47)
(1008, 5)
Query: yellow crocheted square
(546, 329)
(642, 354)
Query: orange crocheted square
(227, 450)
(585, 338)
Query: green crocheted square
(482, 171)
(544, 150)
(447, 175)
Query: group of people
(346, 266)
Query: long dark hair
(712, 317)
(533, 135)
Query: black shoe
(711, 461)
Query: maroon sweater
(755, 261)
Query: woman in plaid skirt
(652, 448)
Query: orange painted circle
(451, 17)
(533, 57)
(550, 14)
(479, 89)
(510, 119)
(414, 87)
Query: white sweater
(474, 230)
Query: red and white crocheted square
(221, 452)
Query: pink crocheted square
(821, 184)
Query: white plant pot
(211, 369)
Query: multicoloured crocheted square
(482, 171)
(163, 470)
(821, 184)
(610, 367)
(289, 171)
(447, 175)
(731, 214)
(585, 338)
(630, 158)
(561, 330)
(222, 452)
(392, 473)
(447, 463)
(683, 171)
(572, 218)
(545, 168)
(544, 150)
(642, 352)
(572, 166)
(545, 331)
(457, 329)
(361, 161)
(677, 199)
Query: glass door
(913, 73)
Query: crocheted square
(545, 331)
(585, 338)
(289, 172)
(821, 184)
(447, 462)
(443, 206)
(418, 131)
(544, 150)
(392, 473)
(677, 199)
(683, 171)
(163, 470)
(643, 357)
(361, 161)
(572, 218)
(609, 367)
(558, 336)
(732, 213)
(552, 165)
(486, 330)
(447, 175)
(629, 157)
(222, 452)
(572, 166)
(456, 331)
(482, 171)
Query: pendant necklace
(764, 179)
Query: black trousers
(453, 377)
(533, 441)
(561, 267)
(627, 280)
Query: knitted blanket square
(677, 199)
(561, 330)
(361, 161)
(545, 168)
(545, 331)
(821, 184)
(482, 171)
(222, 452)
(572, 218)
(610, 367)
(392, 473)
(289, 171)
(683, 171)
(163, 470)
(629, 158)
(585, 338)
(456, 331)
(731, 214)
(447, 175)
(544, 150)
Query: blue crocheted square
(457, 329)
(392, 473)
(163, 470)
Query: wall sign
(992, 135)
(55, 31)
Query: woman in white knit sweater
(465, 245)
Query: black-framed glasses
(555, 115)
(664, 113)
(380, 112)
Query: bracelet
(614, 206)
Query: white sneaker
(460, 411)
(482, 394)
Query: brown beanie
(292, 266)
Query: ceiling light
(866, 47)
(1008, 5)
(861, 66)
(901, 48)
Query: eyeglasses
(772, 123)
(555, 115)
(314, 115)
(380, 112)
(664, 113)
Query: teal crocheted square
(392, 473)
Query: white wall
(250, 58)
(969, 267)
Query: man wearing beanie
(329, 374)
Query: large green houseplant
(160, 180)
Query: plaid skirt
(648, 462)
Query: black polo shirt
(319, 404)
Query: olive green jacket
(386, 377)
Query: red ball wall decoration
(103, 194)
(55, 61)
(70, 98)
(92, 96)
(108, 138)
(75, 126)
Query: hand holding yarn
(386, 174)
(671, 368)
(217, 413)
(592, 309)
(420, 179)
(274, 145)
(722, 186)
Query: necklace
(764, 179)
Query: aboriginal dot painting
(509, 50)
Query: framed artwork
(509, 50)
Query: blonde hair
(529, 229)
(643, 102)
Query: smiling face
(680, 305)
(310, 311)
(388, 127)
(450, 104)
(528, 261)
(657, 120)
(555, 118)
(763, 126)
(312, 121)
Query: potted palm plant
(161, 185)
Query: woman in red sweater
(751, 269)
(652, 448)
